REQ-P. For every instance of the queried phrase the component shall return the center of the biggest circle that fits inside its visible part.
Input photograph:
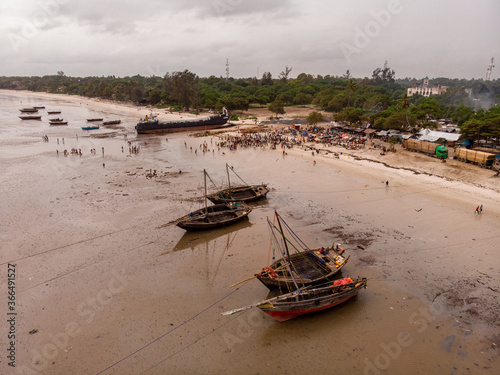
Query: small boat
(213, 216)
(246, 193)
(55, 119)
(53, 112)
(114, 122)
(39, 107)
(61, 122)
(90, 127)
(308, 299)
(94, 119)
(28, 110)
(303, 267)
(30, 117)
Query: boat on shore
(94, 119)
(39, 107)
(95, 127)
(302, 267)
(28, 110)
(308, 300)
(30, 117)
(53, 112)
(245, 193)
(113, 122)
(58, 122)
(151, 124)
(214, 216)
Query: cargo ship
(151, 124)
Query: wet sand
(104, 288)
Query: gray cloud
(420, 38)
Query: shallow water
(109, 290)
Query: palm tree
(404, 105)
(351, 87)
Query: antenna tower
(227, 69)
(488, 71)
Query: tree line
(379, 100)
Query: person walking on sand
(477, 210)
(481, 209)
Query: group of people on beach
(479, 209)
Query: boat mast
(228, 179)
(287, 260)
(205, 181)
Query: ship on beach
(151, 124)
(28, 110)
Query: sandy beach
(103, 286)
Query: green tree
(183, 87)
(349, 115)
(314, 117)
(277, 107)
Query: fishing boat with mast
(245, 193)
(299, 265)
(306, 300)
(214, 216)
(303, 297)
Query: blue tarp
(466, 143)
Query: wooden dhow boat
(94, 119)
(28, 110)
(213, 216)
(30, 117)
(308, 300)
(112, 122)
(246, 193)
(58, 122)
(301, 267)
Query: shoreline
(75, 226)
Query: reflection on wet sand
(194, 240)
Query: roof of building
(433, 136)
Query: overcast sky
(434, 38)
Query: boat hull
(218, 215)
(30, 117)
(239, 194)
(155, 127)
(286, 307)
(311, 266)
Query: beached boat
(151, 124)
(246, 193)
(213, 216)
(28, 110)
(55, 119)
(304, 266)
(308, 300)
(58, 122)
(113, 122)
(30, 117)
(94, 119)
(53, 112)
(39, 107)
(90, 127)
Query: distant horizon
(250, 77)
